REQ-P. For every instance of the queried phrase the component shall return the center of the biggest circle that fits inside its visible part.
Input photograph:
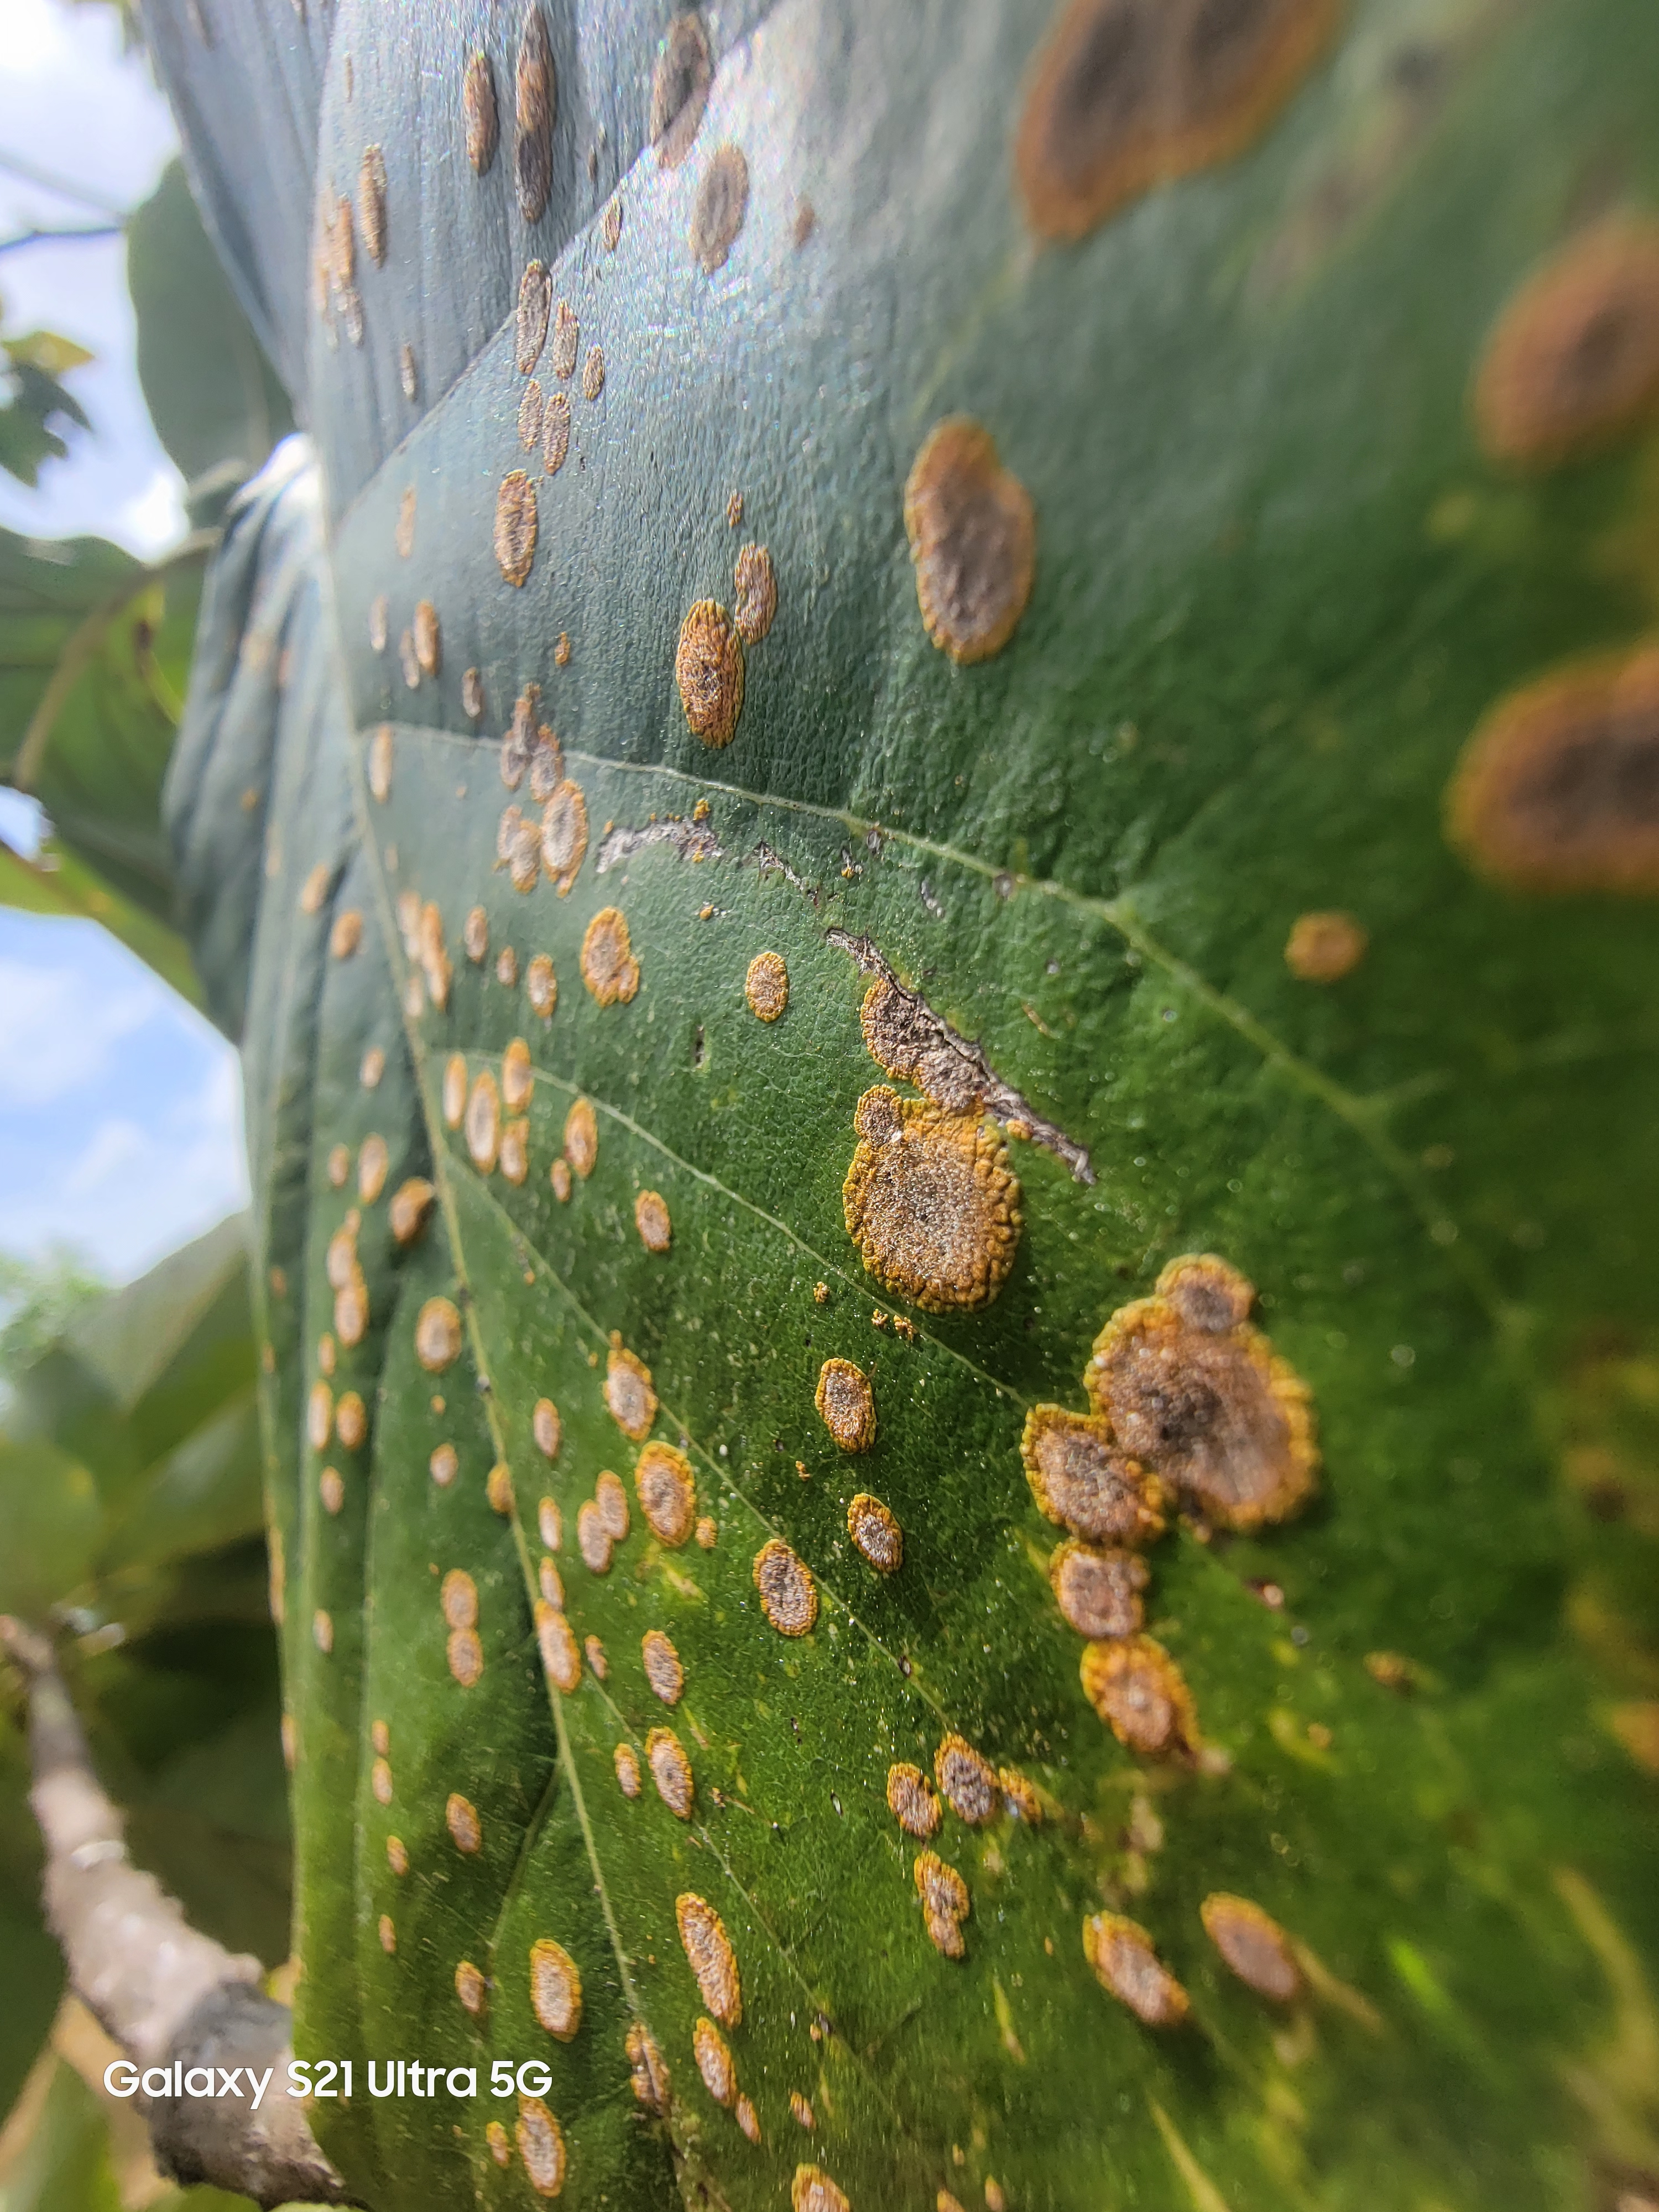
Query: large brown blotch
(931, 1203)
(1574, 359)
(1127, 93)
(972, 530)
(1190, 1388)
(1558, 788)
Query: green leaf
(66, 2160)
(1279, 581)
(47, 352)
(216, 403)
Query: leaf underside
(1276, 587)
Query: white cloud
(55, 1036)
(152, 518)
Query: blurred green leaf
(214, 398)
(64, 2164)
(46, 351)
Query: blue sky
(120, 1109)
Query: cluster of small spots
(788, 1595)
(609, 968)
(1558, 790)
(766, 986)
(1126, 96)
(1140, 1693)
(461, 1819)
(627, 1764)
(972, 530)
(912, 1802)
(627, 1393)
(663, 1670)
(1190, 1388)
(479, 114)
(847, 1405)
(1121, 1955)
(1324, 947)
(680, 88)
(722, 203)
(470, 1988)
(347, 1281)
(556, 1639)
(708, 1951)
(652, 1221)
(459, 1596)
(944, 1903)
(667, 1492)
(540, 2139)
(876, 1533)
(556, 1989)
(931, 1203)
(967, 1782)
(671, 1770)
(649, 2073)
(1254, 1946)
(709, 669)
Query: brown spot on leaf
(709, 1950)
(945, 1902)
(612, 1500)
(479, 111)
(663, 1670)
(470, 1988)
(706, 1534)
(330, 1488)
(396, 1855)
(388, 1934)
(314, 889)
(347, 934)
(530, 416)
(967, 1782)
(847, 1405)
(680, 88)
(747, 2117)
(1196, 1393)
(973, 537)
(1574, 359)
(483, 1122)
(766, 986)
(547, 1430)
(457, 1593)
(755, 593)
(561, 1660)
(371, 202)
(444, 1464)
(1141, 1695)
(1098, 1591)
(541, 987)
(627, 1392)
(813, 2191)
(515, 526)
(628, 1770)
(1557, 791)
(1125, 1963)
(539, 2137)
(930, 1202)
(379, 762)
(714, 2064)
(529, 329)
(1253, 1944)
(593, 373)
(403, 536)
(709, 669)
(536, 107)
(667, 1492)
(465, 1654)
(322, 1631)
(582, 1139)
(556, 1989)
(555, 434)
(593, 1539)
(609, 968)
(722, 203)
(475, 935)
(1129, 94)
(1324, 948)
(437, 1335)
(454, 1089)
(409, 374)
(461, 1819)
(372, 1163)
(648, 2072)
(351, 1421)
(788, 1595)
(518, 1079)
(565, 844)
(876, 1533)
(671, 1771)
(611, 224)
(339, 1166)
(652, 1221)
(561, 356)
(515, 1150)
(472, 697)
(911, 1801)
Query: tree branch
(168, 1995)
